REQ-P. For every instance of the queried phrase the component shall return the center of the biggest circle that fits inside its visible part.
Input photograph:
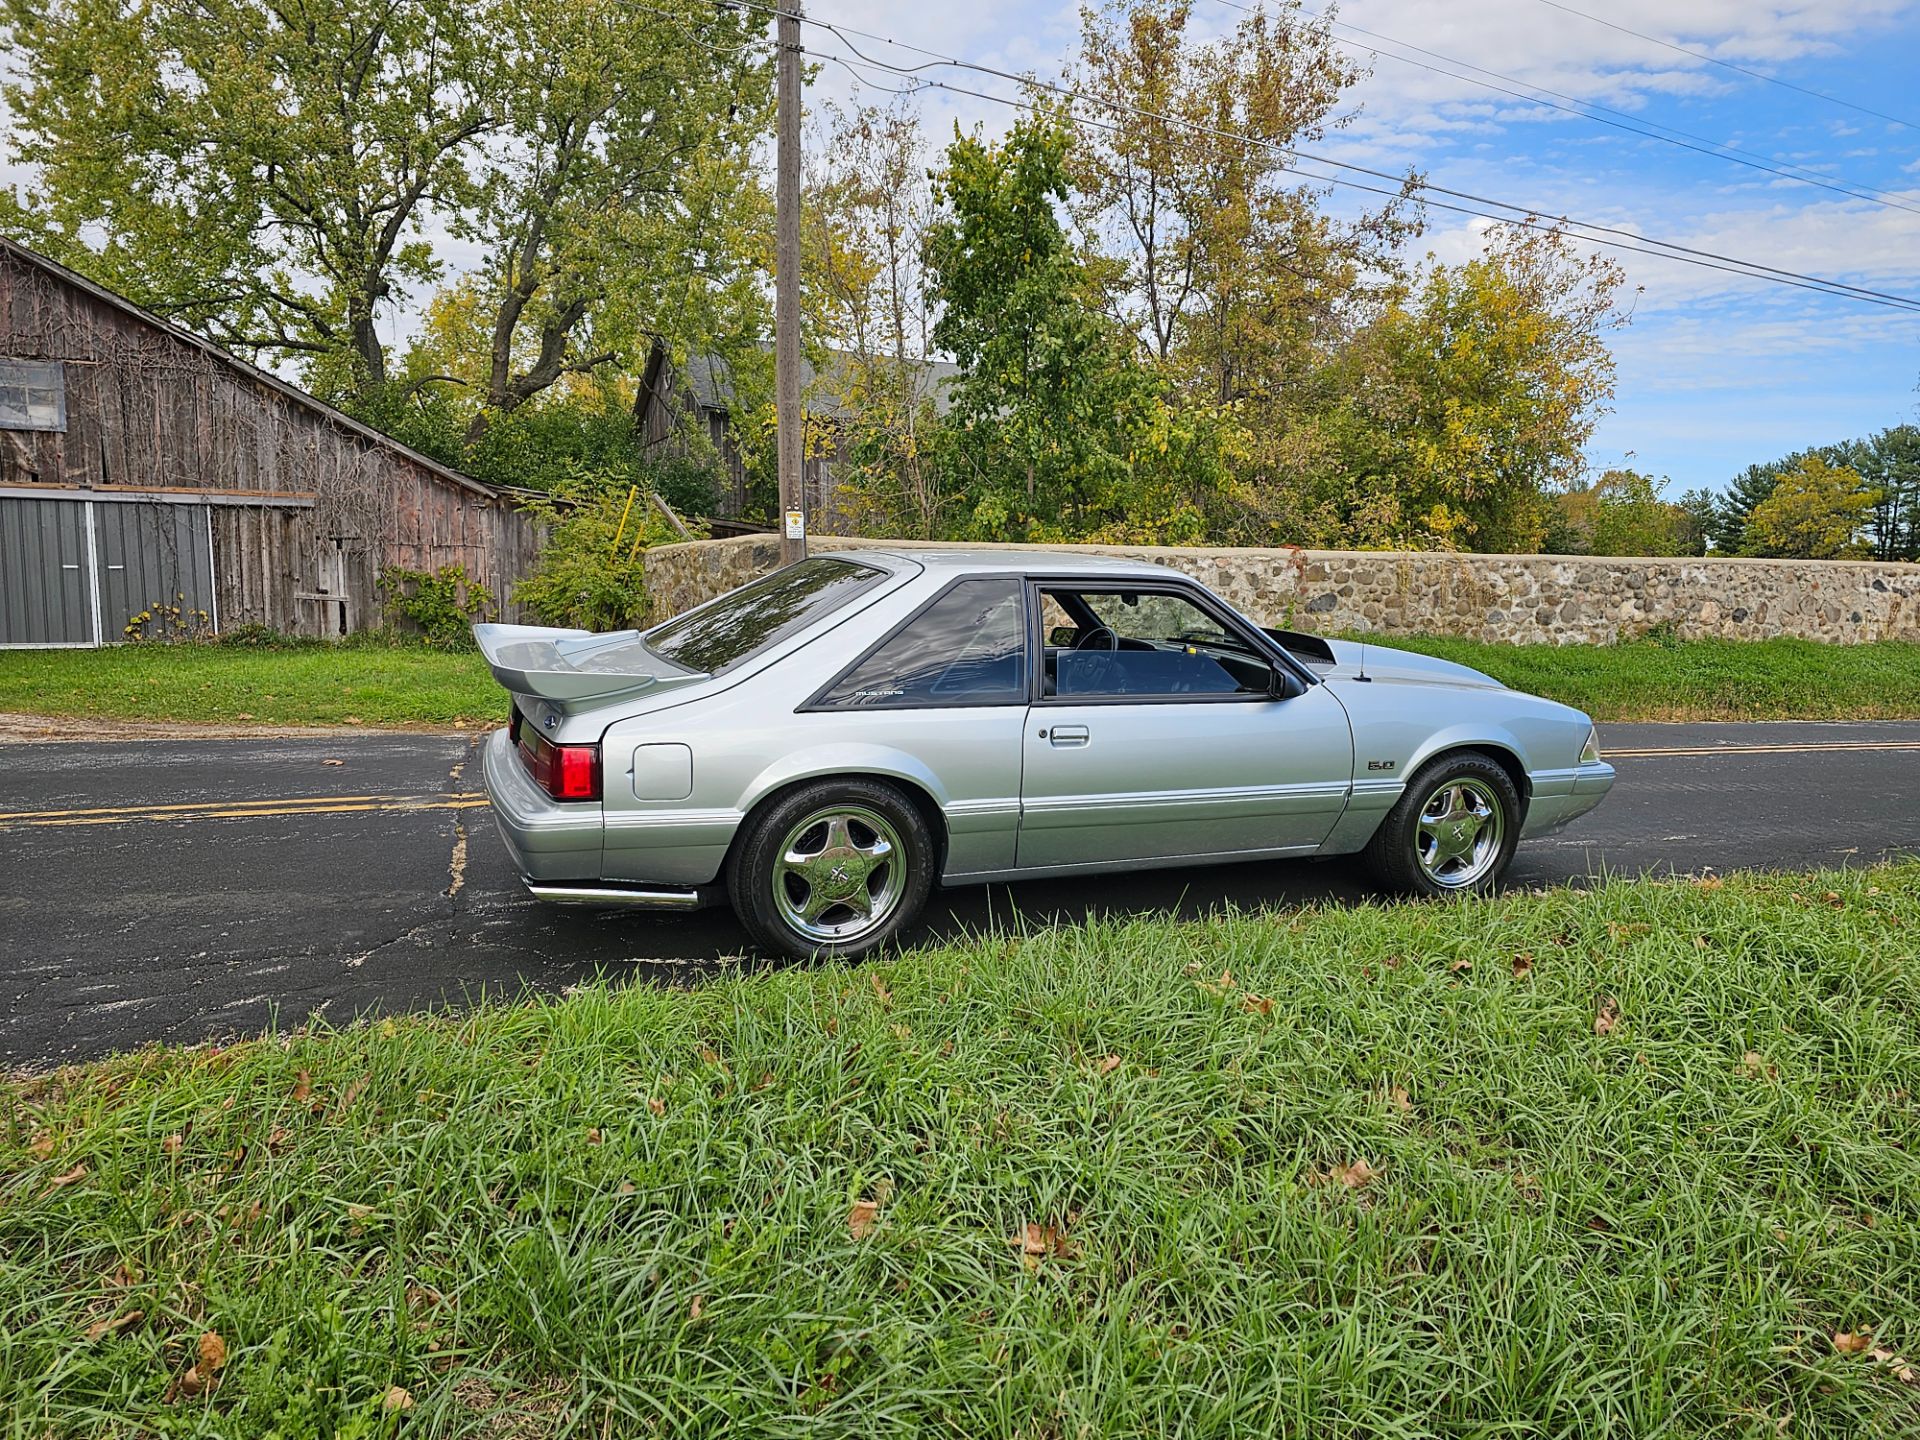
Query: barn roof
(254, 373)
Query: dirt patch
(16, 728)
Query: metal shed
(142, 464)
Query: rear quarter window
(967, 647)
(742, 623)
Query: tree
(1454, 415)
(1621, 513)
(869, 313)
(1034, 412)
(1890, 464)
(618, 205)
(282, 174)
(1814, 512)
(260, 172)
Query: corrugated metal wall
(61, 568)
(152, 556)
(45, 594)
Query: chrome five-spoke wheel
(839, 873)
(1460, 833)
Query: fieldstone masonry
(1519, 599)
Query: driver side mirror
(1061, 637)
(1279, 684)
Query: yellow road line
(185, 811)
(256, 811)
(1809, 747)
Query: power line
(1671, 250)
(1583, 109)
(1729, 65)
(1749, 270)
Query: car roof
(1034, 560)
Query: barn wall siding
(149, 409)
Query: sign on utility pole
(786, 291)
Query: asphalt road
(188, 889)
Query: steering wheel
(1085, 642)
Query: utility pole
(786, 292)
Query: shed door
(45, 598)
(153, 556)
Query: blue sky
(1715, 371)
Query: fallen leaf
(359, 1213)
(1401, 1100)
(860, 1220)
(1902, 1371)
(627, 1187)
(1394, 962)
(388, 1029)
(125, 1320)
(1755, 1064)
(1700, 942)
(397, 1398)
(1256, 1004)
(1038, 1242)
(333, 762)
(1832, 897)
(594, 1136)
(1458, 966)
(880, 989)
(1353, 1176)
(353, 1092)
(765, 1082)
(73, 1176)
(1108, 1065)
(656, 1105)
(1523, 965)
(697, 1309)
(1617, 931)
(277, 1139)
(42, 1146)
(903, 1032)
(1710, 882)
(213, 1351)
(1226, 980)
(1852, 1342)
(171, 1145)
(1607, 1017)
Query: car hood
(1378, 663)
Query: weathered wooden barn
(139, 462)
(699, 397)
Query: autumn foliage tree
(1816, 511)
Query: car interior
(1105, 643)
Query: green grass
(299, 684)
(628, 1212)
(373, 684)
(1701, 679)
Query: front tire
(836, 867)
(1453, 830)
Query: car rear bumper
(550, 841)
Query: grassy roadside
(380, 685)
(1701, 679)
(300, 684)
(1639, 1161)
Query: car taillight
(566, 772)
(577, 772)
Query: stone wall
(1520, 599)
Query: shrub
(591, 574)
(444, 604)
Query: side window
(969, 647)
(1145, 645)
(33, 395)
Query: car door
(1169, 745)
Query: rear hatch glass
(739, 625)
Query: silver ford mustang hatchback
(824, 744)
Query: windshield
(739, 625)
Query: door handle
(1068, 735)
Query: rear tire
(1453, 830)
(836, 867)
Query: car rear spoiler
(572, 667)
